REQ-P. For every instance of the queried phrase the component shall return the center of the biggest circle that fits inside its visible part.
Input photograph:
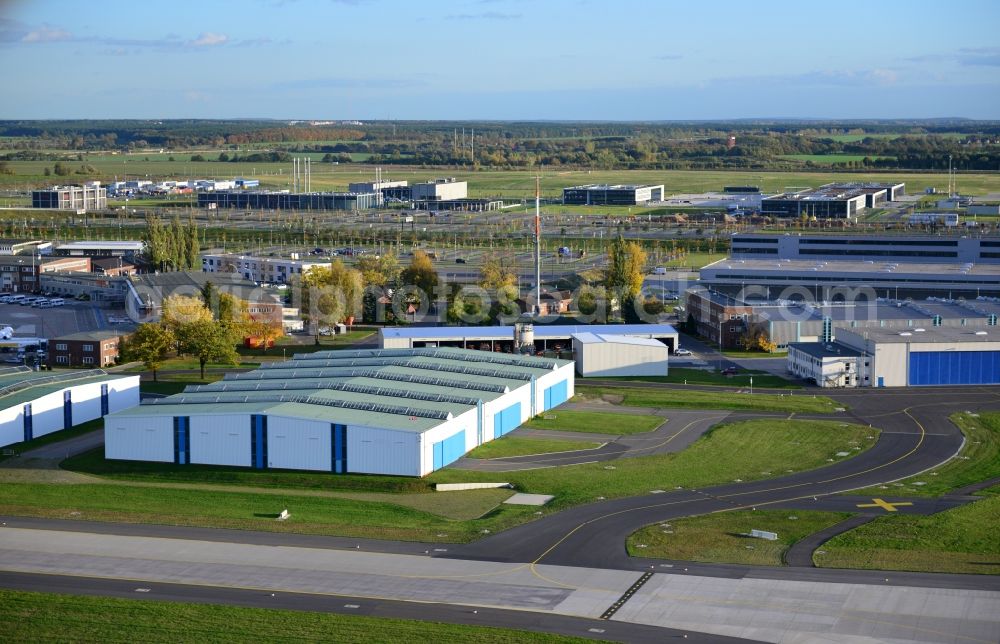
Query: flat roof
(821, 350)
(875, 268)
(594, 338)
(542, 331)
(929, 335)
(400, 389)
(619, 186)
(98, 245)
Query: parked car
(682, 352)
(730, 371)
(459, 260)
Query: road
(573, 564)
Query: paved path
(801, 552)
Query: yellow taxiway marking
(879, 503)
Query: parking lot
(54, 322)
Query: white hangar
(402, 412)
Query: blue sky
(499, 59)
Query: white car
(682, 352)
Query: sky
(500, 59)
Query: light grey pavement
(569, 591)
(801, 611)
(764, 609)
(57, 451)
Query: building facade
(270, 270)
(832, 201)
(20, 274)
(85, 197)
(608, 195)
(128, 250)
(265, 200)
(875, 248)
(440, 190)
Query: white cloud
(46, 34)
(209, 39)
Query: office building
(832, 201)
(90, 196)
(266, 200)
(268, 270)
(612, 195)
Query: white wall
(296, 444)
(220, 439)
(139, 438)
(11, 425)
(123, 393)
(47, 414)
(383, 451)
(620, 359)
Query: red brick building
(85, 349)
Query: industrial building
(34, 404)
(880, 248)
(446, 189)
(832, 201)
(144, 294)
(724, 321)
(401, 412)
(270, 270)
(599, 355)
(612, 195)
(546, 337)
(20, 274)
(268, 200)
(90, 196)
(100, 248)
(916, 356)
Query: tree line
(174, 246)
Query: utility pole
(538, 247)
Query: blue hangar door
(506, 420)
(555, 395)
(449, 450)
(954, 368)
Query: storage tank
(524, 337)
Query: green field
(694, 260)
(962, 540)
(979, 460)
(685, 375)
(484, 182)
(696, 399)
(595, 422)
(524, 446)
(746, 450)
(45, 617)
(723, 537)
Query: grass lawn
(326, 343)
(523, 446)
(685, 375)
(721, 537)
(649, 397)
(830, 158)
(595, 422)
(754, 354)
(54, 437)
(979, 460)
(746, 450)
(693, 260)
(188, 363)
(962, 540)
(749, 450)
(46, 617)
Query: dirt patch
(614, 399)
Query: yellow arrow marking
(879, 503)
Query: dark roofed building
(85, 349)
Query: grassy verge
(721, 537)
(684, 375)
(290, 348)
(54, 617)
(54, 437)
(978, 461)
(746, 450)
(188, 363)
(962, 540)
(523, 446)
(754, 354)
(649, 397)
(595, 422)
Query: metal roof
(594, 338)
(542, 331)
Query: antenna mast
(538, 247)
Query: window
(88, 347)
(61, 346)
(62, 359)
(88, 360)
(734, 329)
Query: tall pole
(538, 247)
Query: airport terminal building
(608, 195)
(832, 201)
(405, 412)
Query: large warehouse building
(34, 404)
(832, 201)
(882, 248)
(546, 337)
(901, 358)
(607, 195)
(90, 196)
(619, 355)
(401, 412)
(267, 200)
